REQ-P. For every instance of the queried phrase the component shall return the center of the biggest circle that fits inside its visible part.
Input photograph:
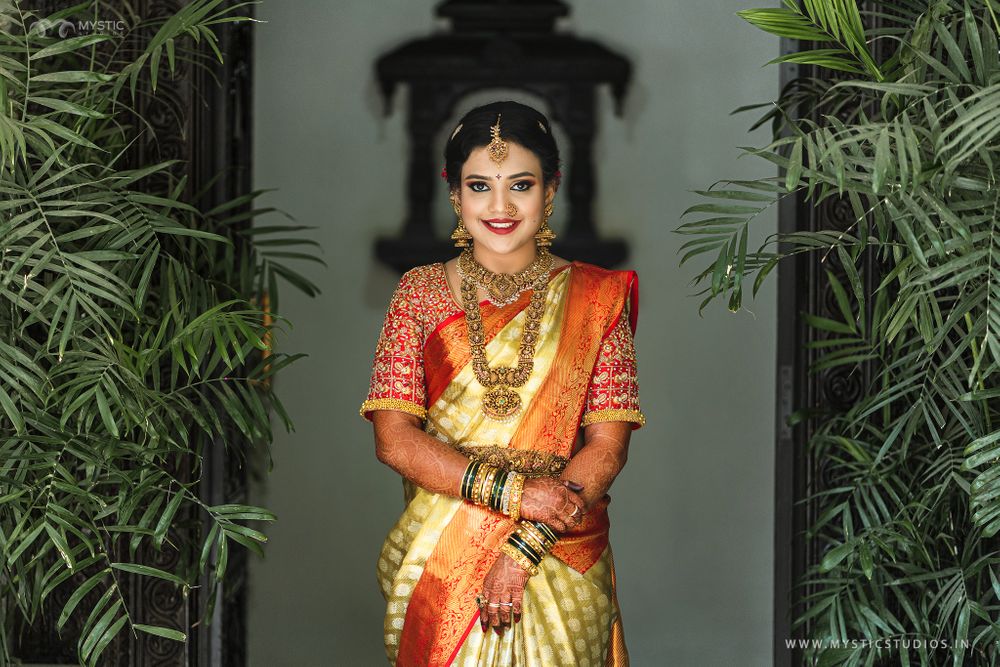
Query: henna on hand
(404, 446)
(504, 583)
(602, 457)
(584, 481)
(550, 501)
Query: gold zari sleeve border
(392, 404)
(613, 415)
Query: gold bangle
(532, 540)
(519, 558)
(516, 492)
(487, 483)
(529, 530)
(505, 496)
(545, 530)
(478, 483)
(491, 474)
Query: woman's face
(502, 205)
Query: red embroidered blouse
(422, 300)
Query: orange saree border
(438, 613)
(442, 610)
(595, 303)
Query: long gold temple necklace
(501, 402)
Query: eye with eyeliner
(472, 186)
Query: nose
(499, 201)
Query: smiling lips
(501, 225)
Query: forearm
(599, 461)
(402, 445)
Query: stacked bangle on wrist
(528, 544)
(469, 477)
(495, 487)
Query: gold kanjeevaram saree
(434, 560)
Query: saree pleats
(435, 558)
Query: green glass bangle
(548, 532)
(524, 548)
(470, 474)
(497, 490)
(465, 479)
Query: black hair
(519, 124)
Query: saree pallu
(434, 560)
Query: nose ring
(511, 209)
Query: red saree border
(472, 624)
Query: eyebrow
(486, 178)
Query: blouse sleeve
(397, 379)
(614, 388)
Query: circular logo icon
(45, 27)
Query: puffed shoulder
(418, 281)
(420, 274)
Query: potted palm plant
(909, 141)
(136, 325)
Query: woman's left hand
(503, 588)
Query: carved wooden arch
(495, 44)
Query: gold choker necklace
(504, 288)
(501, 402)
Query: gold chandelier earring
(544, 235)
(461, 235)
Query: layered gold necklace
(503, 289)
(501, 402)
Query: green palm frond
(911, 508)
(133, 329)
(836, 21)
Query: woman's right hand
(552, 502)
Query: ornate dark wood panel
(803, 287)
(501, 44)
(203, 118)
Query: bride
(504, 393)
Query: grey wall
(692, 511)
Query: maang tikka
(497, 148)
